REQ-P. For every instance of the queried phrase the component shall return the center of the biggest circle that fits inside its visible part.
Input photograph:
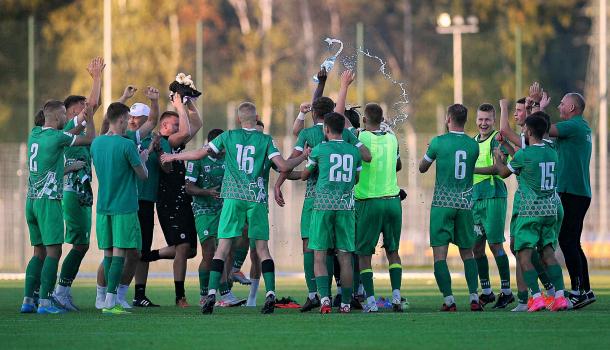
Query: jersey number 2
(460, 165)
(342, 168)
(33, 154)
(245, 161)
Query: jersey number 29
(245, 161)
(342, 168)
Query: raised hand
(347, 77)
(151, 93)
(504, 104)
(322, 75)
(129, 91)
(536, 92)
(545, 101)
(96, 67)
(305, 107)
(177, 101)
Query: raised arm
(322, 76)
(184, 129)
(505, 129)
(195, 121)
(128, 93)
(299, 123)
(347, 77)
(86, 139)
(500, 168)
(153, 118)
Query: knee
(497, 249)
(83, 248)
(478, 250)
(466, 254)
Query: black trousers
(574, 208)
(146, 215)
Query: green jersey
(455, 154)
(206, 173)
(46, 162)
(337, 163)
(73, 154)
(312, 137)
(148, 189)
(574, 151)
(487, 186)
(536, 167)
(114, 158)
(247, 161)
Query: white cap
(139, 110)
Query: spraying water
(329, 62)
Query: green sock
(531, 279)
(239, 256)
(215, 277)
(556, 276)
(366, 276)
(114, 274)
(443, 278)
(32, 276)
(330, 268)
(224, 288)
(204, 279)
(504, 270)
(471, 272)
(106, 263)
(522, 296)
(483, 269)
(70, 266)
(269, 278)
(310, 278)
(322, 283)
(48, 276)
(395, 276)
(346, 295)
(544, 278)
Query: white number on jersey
(33, 154)
(342, 168)
(460, 164)
(245, 161)
(547, 176)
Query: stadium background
(555, 42)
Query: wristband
(301, 116)
(83, 123)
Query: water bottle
(328, 65)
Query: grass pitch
(421, 327)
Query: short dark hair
(322, 106)
(487, 107)
(214, 134)
(72, 100)
(544, 116)
(115, 111)
(51, 107)
(374, 113)
(579, 101)
(536, 124)
(39, 118)
(335, 121)
(458, 114)
(521, 101)
(353, 116)
(168, 114)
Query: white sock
(474, 297)
(487, 291)
(122, 291)
(537, 295)
(111, 300)
(253, 288)
(44, 302)
(558, 293)
(345, 305)
(396, 294)
(449, 300)
(312, 295)
(576, 292)
(101, 291)
(325, 300)
(212, 291)
(28, 300)
(361, 289)
(269, 293)
(506, 291)
(370, 300)
(61, 290)
(550, 291)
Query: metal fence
(285, 241)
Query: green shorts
(449, 225)
(207, 226)
(77, 218)
(45, 221)
(306, 217)
(535, 232)
(118, 231)
(374, 216)
(332, 229)
(489, 218)
(236, 213)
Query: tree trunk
(310, 51)
(266, 7)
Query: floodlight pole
(107, 53)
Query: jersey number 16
(245, 161)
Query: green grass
(245, 328)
